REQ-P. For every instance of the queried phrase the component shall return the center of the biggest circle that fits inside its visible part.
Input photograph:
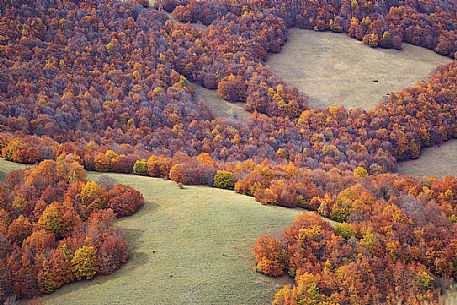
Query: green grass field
(333, 69)
(6, 167)
(188, 246)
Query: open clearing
(190, 246)
(333, 69)
(219, 107)
(436, 161)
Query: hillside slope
(188, 246)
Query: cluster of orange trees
(107, 82)
(56, 227)
(394, 242)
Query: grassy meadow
(333, 69)
(6, 167)
(188, 246)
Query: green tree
(224, 179)
(140, 167)
(360, 172)
(84, 262)
(344, 230)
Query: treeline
(270, 183)
(56, 227)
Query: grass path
(190, 246)
(333, 69)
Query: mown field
(188, 246)
(333, 69)
(439, 161)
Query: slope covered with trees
(89, 81)
(394, 242)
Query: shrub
(232, 89)
(192, 172)
(59, 219)
(124, 200)
(93, 196)
(113, 252)
(224, 180)
(140, 167)
(84, 262)
(360, 172)
(340, 211)
(270, 256)
(159, 166)
(20, 152)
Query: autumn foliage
(104, 85)
(56, 228)
(391, 245)
(134, 99)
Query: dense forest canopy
(105, 84)
(115, 73)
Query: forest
(104, 85)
